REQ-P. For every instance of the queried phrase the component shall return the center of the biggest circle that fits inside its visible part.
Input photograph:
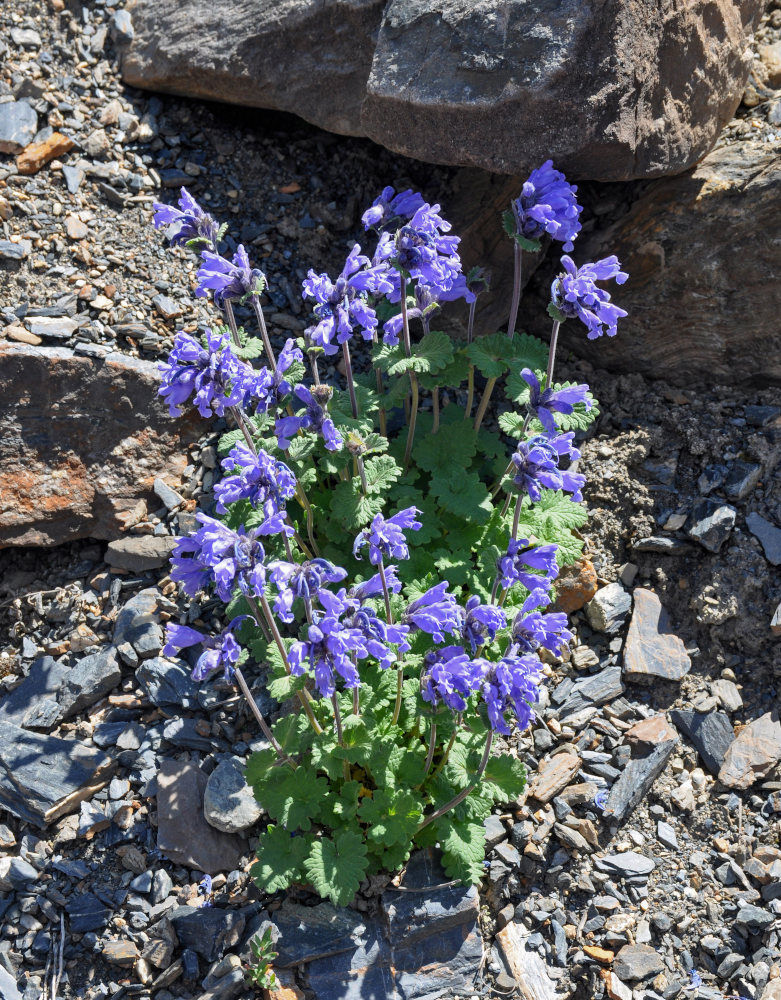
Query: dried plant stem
(348, 371)
(432, 739)
(263, 331)
(466, 791)
(489, 388)
(240, 680)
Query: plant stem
(340, 734)
(241, 423)
(362, 474)
(399, 691)
(470, 326)
(552, 354)
(303, 500)
(516, 299)
(470, 392)
(385, 592)
(263, 331)
(405, 318)
(446, 754)
(430, 755)
(413, 417)
(435, 404)
(228, 309)
(312, 360)
(356, 700)
(348, 371)
(259, 717)
(303, 696)
(489, 388)
(466, 791)
(516, 517)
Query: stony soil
(294, 195)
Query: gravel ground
(678, 481)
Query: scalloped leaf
(463, 850)
(432, 353)
(280, 859)
(337, 867)
(392, 817)
(293, 796)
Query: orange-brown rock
(553, 775)
(83, 441)
(575, 586)
(649, 733)
(602, 955)
(38, 154)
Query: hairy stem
(448, 748)
(362, 474)
(259, 717)
(263, 331)
(489, 388)
(227, 306)
(430, 755)
(466, 791)
(241, 423)
(348, 371)
(516, 299)
(435, 404)
(470, 392)
(303, 696)
(413, 417)
(554, 337)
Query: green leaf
(449, 377)
(341, 809)
(392, 817)
(452, 447)
(251, 348)
(529, 352)
(464, 494)
(341, 409)
(504, 778)
(431, 354)
(302, 446)
(337, 867)
(351, 508)
(259, 766)
(551, 520)
(228, 440)
(293, 796)
(512, 424)
(280, 859)
(463, 850)
(381, 473)
(284, 687)
(491, 356)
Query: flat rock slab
(208, 930)
(710, 732)
(168, 684)
(553, 775)
(498, 85)
(427, 943)
(637, 962)
(526, 965)
(651, 649)
(83, 440)
(626, 865)
(18, 125)
(769, 536)
(44, 777)
(183, 834)
(636, 779)
(754, 753)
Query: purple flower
(547, 205)
(224, 558)
(510, 686)
(220, 651)
(536, 464)
(287, 357)
(423, 251)
(543, 404)
(427, 299)
(391, 207)
(450, 676)
(377, 635)
(330, 650)
(190, 219)
(343, 305)
(575, 294)
(481, 622)
(212, 375)
(521, 558)
(696, 978)
(373, 586)
(305, 580)
(314, 417)
(263, 480)
(600, 799)
(229, 279)
(435, 612)
(532, 628)
(385, 538)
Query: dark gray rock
(500, 87)
(105, 734)
(183, 733)
(307, 933)
(44, 777)
(169, 496)
(20, 874)
(595, 690)
(760, 416)
(88, 681)
(18, 125)
(636, 780)
(652, 649)
(625, 865)
(228, 802)
(121, 27)
(769, 536)
(608, 608)
(137, 553)
(662, 545)
(86, 913)
(33, 704)
(742, 479)
(168, 684)
(161, 886)
(13, 251)
(710, 732)
(711, 524)
(712, 477)
(637, 962)
(210, 931)
(753, 918)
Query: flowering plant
(388, 566)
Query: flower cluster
(575, 294)
(229, 279)
(220, 651)
(547, 204)
(259, 477)
(536, 463)
(314, 418)
(533, 566)
(385, 537)
(189, 223)
(543, 403)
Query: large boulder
(703, 253)
(83, 440)
(614, 90)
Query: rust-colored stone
(603, 955)
(652, 650)
(754, 753)
(649, 733)
(38, 154)
(553, 775)
(83, 441)
(286, 989)
(575, 586)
